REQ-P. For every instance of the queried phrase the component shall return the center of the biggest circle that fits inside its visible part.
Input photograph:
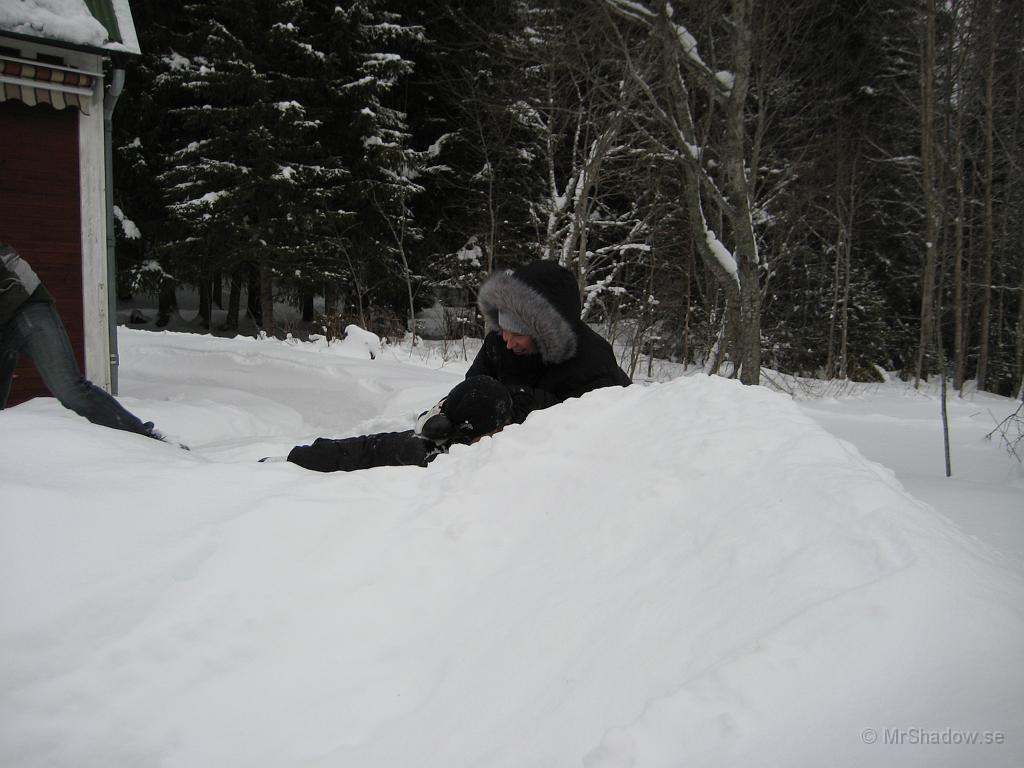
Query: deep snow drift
(685, 573)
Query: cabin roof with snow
(97, 26)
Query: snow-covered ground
(901, 428)
(689, 573)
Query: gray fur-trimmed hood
(545, 297)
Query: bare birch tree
(712, 158)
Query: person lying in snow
(475, 408)
(537, 353)
(537, 345)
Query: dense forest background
(814, 186)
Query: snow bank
(687, 573)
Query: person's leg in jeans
(41, 336)
(8, 362)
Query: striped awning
(34, 83)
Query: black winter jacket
(571, 360)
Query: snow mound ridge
(690, 573)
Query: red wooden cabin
(57, 66)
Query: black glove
(477, 406)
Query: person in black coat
(537, 345)
(538, 353)
(476, 407)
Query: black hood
(545, 297)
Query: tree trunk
(833, 318)
(586, 188)
(989, 223)
(491, 206)
(737, 183)
(168, 303)
(217, 289)
(407, 273)
(736, 270)
(844, 315)
(1019, 361)
(330, 298)
(266, 297)
(928, 188)
(845, 208)
(940, 355)
(205, 310)
(959, 318)
(750, 319)
(690, 277)
(253, 305)
(234, 300)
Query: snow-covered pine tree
(250, 185)
(140, 140)
(471, 85)
(367, 45)
(213, 90)
(303, 191)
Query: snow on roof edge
(70, 24)
(129, 37)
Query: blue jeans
(37, 332)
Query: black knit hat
(477, 406)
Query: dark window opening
(45, 58)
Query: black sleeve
(525, 400)
(573, 381)
(384, 449)
(612, 378)
(486, 361)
